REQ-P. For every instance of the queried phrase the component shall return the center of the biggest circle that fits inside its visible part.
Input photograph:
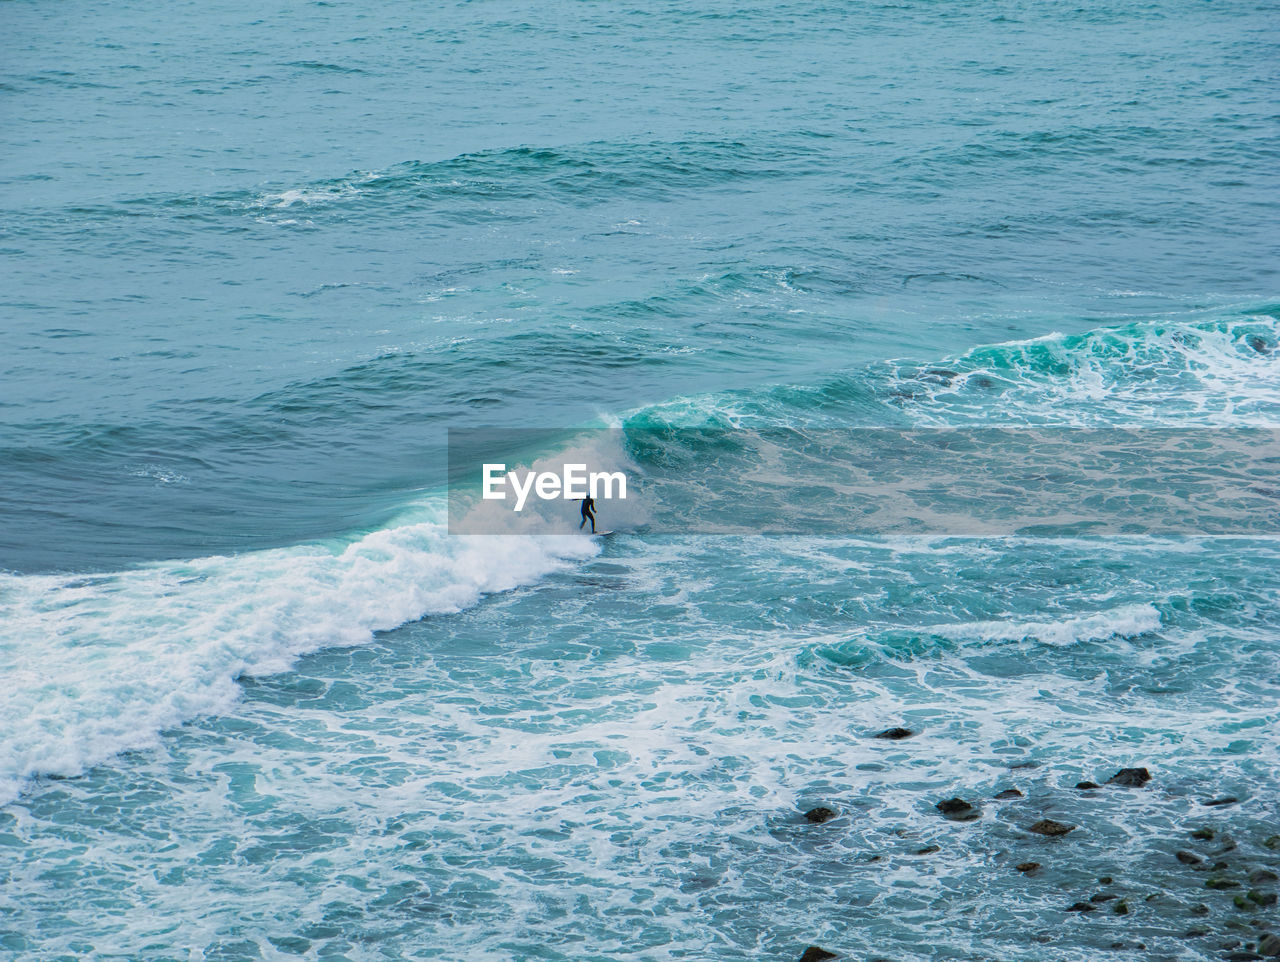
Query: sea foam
(103, 663)
(1126, 621)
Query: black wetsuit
(588, 513)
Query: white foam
(1180, 373)
(159, 474)
(1127, 621)
(307, 196)
(97, 665)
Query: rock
(1139, 946)
(815, 954)
(1270, 945)
(1047, 826)
(820, 814)
(1082, 907)
(1218, 882)
(958, 810)
(1195, 933)
(1130, 777)
(1086, 786)
(1261, 877)
(1225, 800)
(1258, 343)
(1121, 907)
(1200, 910)
(1186, 858)
(1009, 793)
(1203, 834)
(1242, 957)
(1102, 897)
(929, 850)
(1273, 842)
(1262, 898)
(1027, 866)
(895, 734)
(1105, 880)
(1243, 904)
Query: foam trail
(1127, 621)
(104, 663)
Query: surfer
(588, 513)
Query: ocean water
(256, 260)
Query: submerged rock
(1262, 876)
(1262, 898)
(1270, 945)
(1218, 882)
(929, 850)
(895, 734)
(1226, 800)
(1082, 907)
(816, 954)
(1086, 786)
(1259, 343)
(1027, 866)
(1047, 826)
(1103, 897)
(820, 814)
(1187, 858)
(1009, 793)
(1130, 777)
(1121, 907)
(1203, 834)
(958, 810)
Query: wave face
(257, 704)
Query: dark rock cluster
(1252, 893)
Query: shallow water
(256, 261)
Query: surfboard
(600, 534)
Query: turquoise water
(257, 260)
